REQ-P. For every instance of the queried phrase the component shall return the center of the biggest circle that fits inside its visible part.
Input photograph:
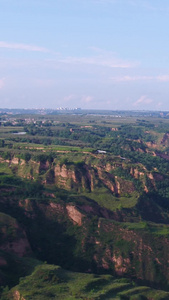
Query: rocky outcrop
(15, 161)
(165, 139)
(13, 237)
(132, 253)
(64, 176)
(98, 241)
(136, 173)
(107, 179)
(79, 178)
(17, 296)
(75, 215)
(121, 264)
(74, 176)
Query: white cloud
(99, 61)
(163, 78)
(143, 100)
(101, 58)
(87, 99)
(159, 104)
(18, 46)
(70, 98)
(127, 78)
(131, 78)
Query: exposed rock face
(15, 161)
(74, 214)
(20, 247)
(17, 296)
(133, 253)
(13, 237)
(74, 177)
(114, 183)
(126, 252)
(152, 145)
(136, 173)
(150, 176)
(146, 189)
(165, 139)
(107, 179)
(87, 177)
(57, 207)
(22, 162)
(64, 177)
(97, 240)
(121, 264)
(103, 242)
(64, 172)
(78, 178)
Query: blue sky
(104, 54)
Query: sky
(92, 54)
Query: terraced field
(52, 282)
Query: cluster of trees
(58, 135)
(131, 132)
(127, 141)
(28, 188)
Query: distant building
(114, 129)
(101, 152)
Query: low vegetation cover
(89, 193)
(53, 282)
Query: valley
(84, 206)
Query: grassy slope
(52, 282)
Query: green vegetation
(95, 212)
(52, 282)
